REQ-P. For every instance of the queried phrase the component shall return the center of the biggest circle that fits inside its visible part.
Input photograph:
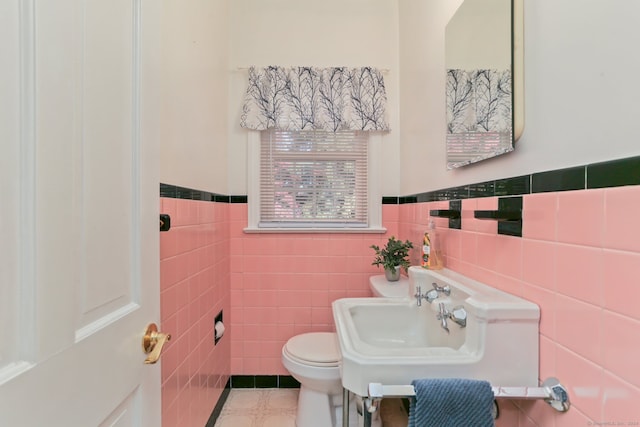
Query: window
(313, 180)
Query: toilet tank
(381, 287)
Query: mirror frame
(517, 42)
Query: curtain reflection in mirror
(479, 115)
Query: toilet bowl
(314, 360)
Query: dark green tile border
(177, 192)
(502, 187)
(243, 381)
(482, 189)
(615, 173)
(266, 381)
(263, 381)
(407, 199)
(559, 180)
(510, 228)
(607, 174)
(287, 381)
(390, 200)
(238, 199)
(513, 186)
(456, 223)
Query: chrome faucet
(419, 296)
(458, 314)
(429, 296)
(433, 294)
(442, 316)
(441, 289)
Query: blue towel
(451, 402)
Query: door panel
(108, 109)
(125, 414)
(9, 162)
(80, 212)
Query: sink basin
(382, 323)
(394, 341)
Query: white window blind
(313, 179)
(464, 148)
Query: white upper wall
(312, 33)
(581, 102)
(195, 89)
(580, 96)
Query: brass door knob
(152, 343)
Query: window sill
(372, 230)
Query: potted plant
(392, 257)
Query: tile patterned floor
(277, 408)
(259, 408)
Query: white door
(79, 277)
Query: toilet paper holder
(218, 328)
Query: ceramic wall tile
(621, 405)
(194, 276)
(539, 263)
(621, 224)
(579, 327)
(579, 273)
(620, 357)
(540, 216)
(580, 217)
(583, 380)
(620, 282)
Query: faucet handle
(431, 296)
(418, 295)
(443, 289)
(442, 316)
(459, 315)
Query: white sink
(394, 341)
(376, 322)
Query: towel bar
(551, 391)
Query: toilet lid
(314, 347)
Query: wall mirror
(483, 58)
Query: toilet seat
(314, 349)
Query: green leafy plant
(394, 253)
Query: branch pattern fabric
(311, 98)
(478, 101)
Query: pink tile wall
(283, 285)
(579, 260)
(194, 287)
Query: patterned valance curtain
(478, 101)
(310, 98)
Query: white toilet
(314, 360)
